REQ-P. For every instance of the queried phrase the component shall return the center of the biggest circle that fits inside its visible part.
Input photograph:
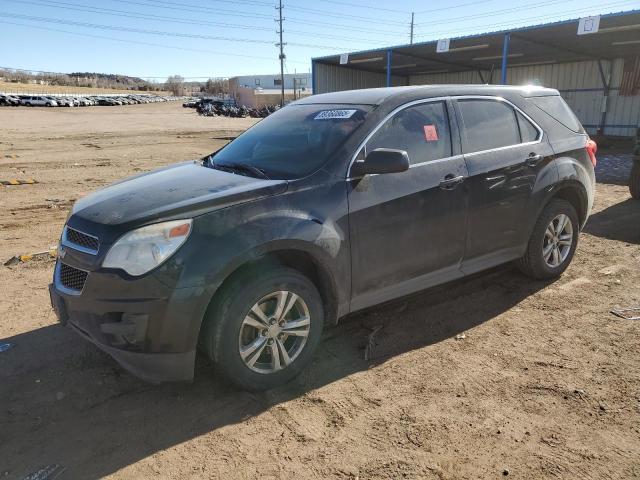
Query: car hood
(186, 188)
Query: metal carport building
(597, 73)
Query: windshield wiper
(234, 167)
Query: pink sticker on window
(430, 133)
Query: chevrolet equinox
(335, 203)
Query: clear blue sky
(221, 38)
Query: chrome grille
(85, 242)
(72, 278)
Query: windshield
(294, 141)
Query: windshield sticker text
(333, 114)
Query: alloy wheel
(274, 332)
(558, 238)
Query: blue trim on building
(389, 53)
(505, 58)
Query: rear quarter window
(557, 108)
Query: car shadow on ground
(618, 222)
(64, 402)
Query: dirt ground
(491, 377)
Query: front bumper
(150, 329)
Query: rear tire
(552, 243)
(634, 180)
(260, 350)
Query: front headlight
(145, 248)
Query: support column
(388, 68)
(606, 83)
(505, 56)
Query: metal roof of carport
(558, 42)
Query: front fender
(310, 220)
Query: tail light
(592, 148)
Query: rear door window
(556, 107)
(487, 124)
(421, 130)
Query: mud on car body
(332, 204)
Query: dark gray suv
(332, 204)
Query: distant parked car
(107, 101)
(38, 101)
(65, 101)
(9, 101)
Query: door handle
(533, 159)
(451, 181)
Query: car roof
(377, 96)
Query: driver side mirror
(381, 160)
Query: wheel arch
(574, 193)
(301, 256)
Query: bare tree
(217, 86)
(175, 84)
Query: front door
(408, 229)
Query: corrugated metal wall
(333, 78)
(579, 83)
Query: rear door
(408, 229)
(504, 152)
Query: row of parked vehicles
(87, 101)
(209, 107)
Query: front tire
(552, 243)
(634, 180)
(263, 327)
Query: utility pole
(282, 55)
(411, 35)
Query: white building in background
(298, 81)
(255, 91)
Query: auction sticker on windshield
(333, 114)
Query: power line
(453, 7)
(367, 6)
(193, 8)
(493, 13)
(520, 20)
(130, 14)
(156, 32)
(163, 18)
(136, 42)
(350, 27)
(190, 8)
(199, 9)
(344, 15)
